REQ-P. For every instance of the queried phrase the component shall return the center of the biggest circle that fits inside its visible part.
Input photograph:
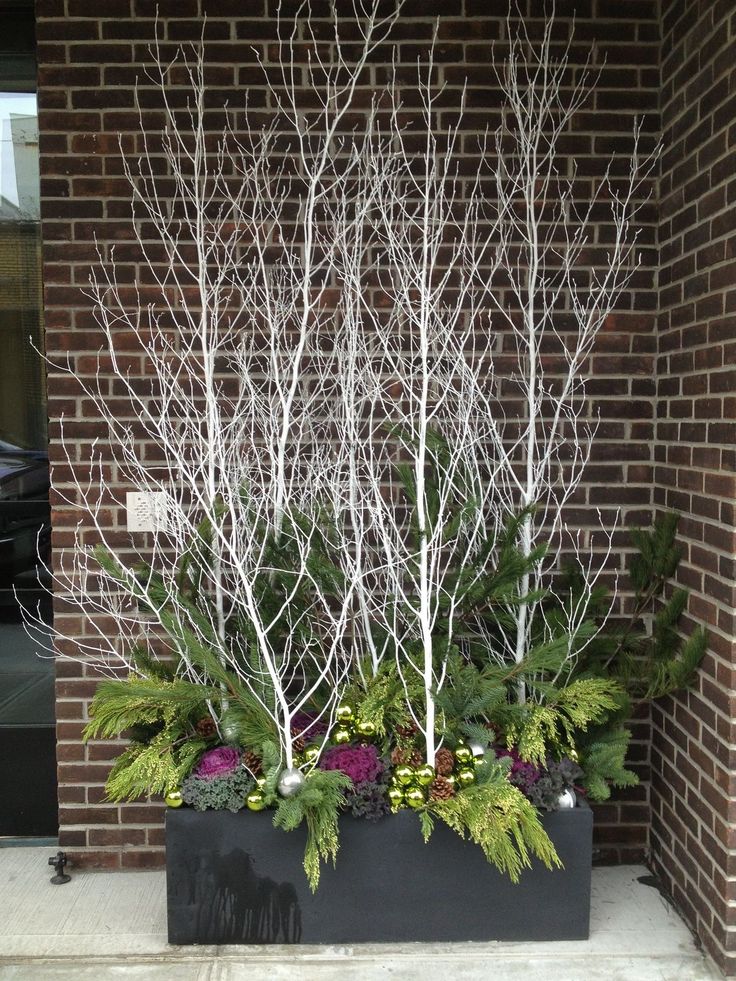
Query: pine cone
(444, 762)
(441, 789)
(406, 756)
(406, 732)
(298, 742)
(252, 762)
(206, 727)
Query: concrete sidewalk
(113, 926)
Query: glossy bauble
(395, 796)
(414, 797)
(465, 776)
(424, 774)
(255, 801)
(566, 801)
(173, 798)
(344, 713)
(463, 754)
(475, 748)
(311, 752)
(404, 774)
(341, 735)
(230, 732)
(260, 782)
(290, 782)
(366, 730)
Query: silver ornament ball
(230, 732)
(475, 748)
(566, 801)
(290, 782)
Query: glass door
(28, 802)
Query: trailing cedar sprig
(498, 817)
(154, 767)
(318, 805)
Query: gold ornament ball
(465, 776)
(403, 774)
(341, 735)
(311, 752)
(414, 797)
(173, 798)
(424, 774)
(450, 778)
(480, 761)
(255, 801)
(260, 782)
(366, 729)
(344, 713)
(395, 796)
(463, 754)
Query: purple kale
(217, 762)
(360, 763)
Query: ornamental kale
(555, 777)
(223, 792)
(542, 785)
(360, 763)
(367, 799)
(217, 762)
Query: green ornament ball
(463, 754)
(260, 782)
(255, 801)
(424, 774)
(465, 776)
(404, 774)
(173, 798)
(311, 752)
(344, 713)
(395, 796)
(341, 735)
(366, 729)
(414, 797)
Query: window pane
(19, 184)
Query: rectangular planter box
(235, 879)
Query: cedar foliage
(497, 817)
(318, 805)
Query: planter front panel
(235, 879)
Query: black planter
(235, 879)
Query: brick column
(693, 760)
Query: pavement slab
(112, 925)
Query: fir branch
(121, 704)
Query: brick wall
(693, 760)
(88, 64)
